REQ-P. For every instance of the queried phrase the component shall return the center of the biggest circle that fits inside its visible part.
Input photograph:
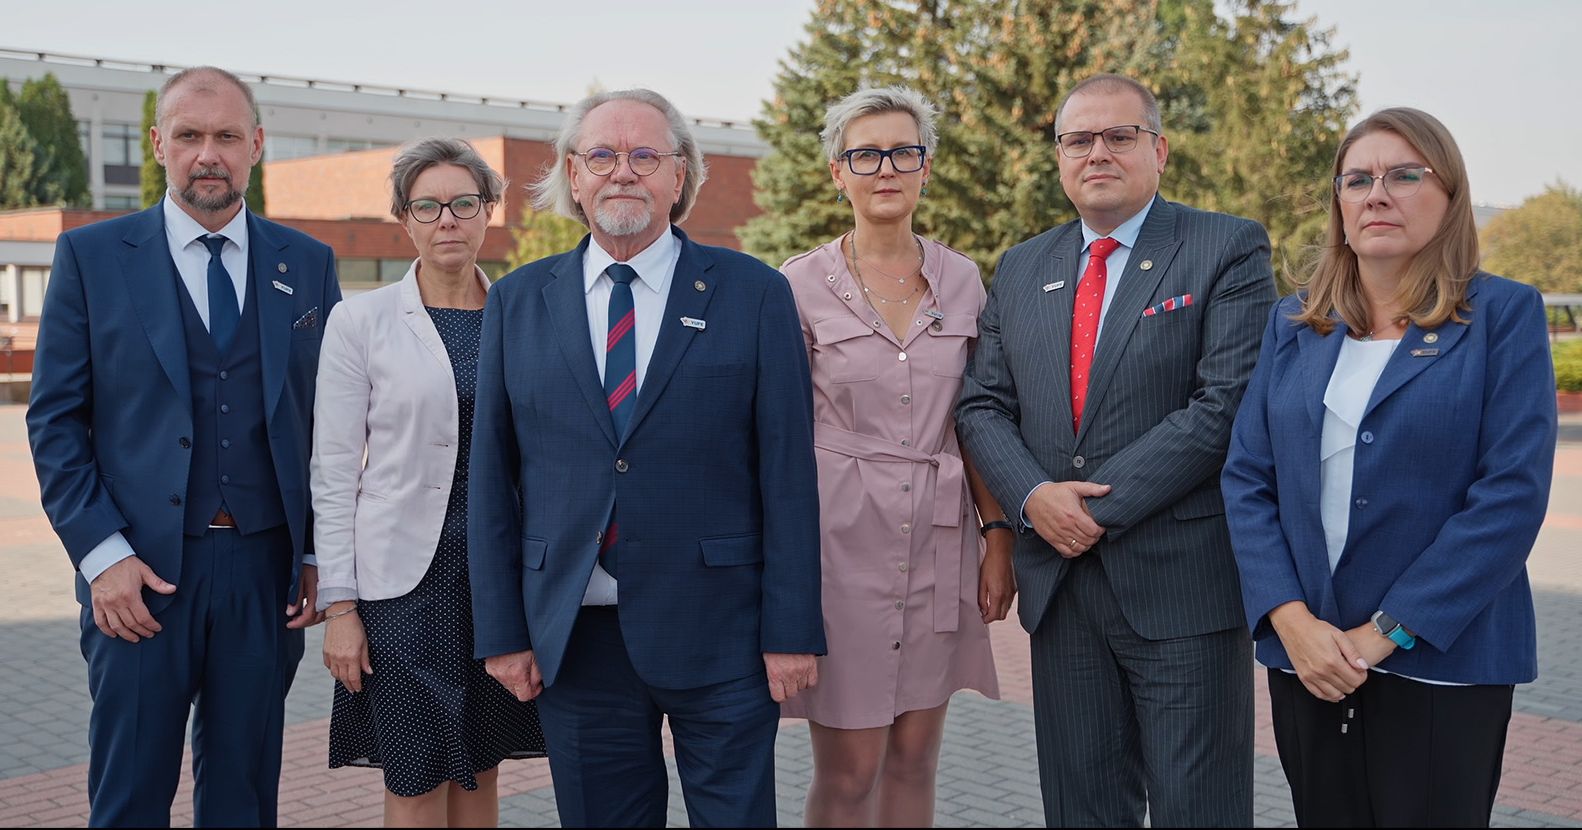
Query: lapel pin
(699, 285)
(1424, 352)
(934, 313)
(282, 287)
(693, 323)
(1054, 286)
(281, 267)
(1146, 264)
(1431, 337)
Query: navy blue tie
(224, 314)
(620, 377)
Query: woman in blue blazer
(1387, 475)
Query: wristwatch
(1397, 633)
(999, 523)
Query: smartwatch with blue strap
(1397, 633)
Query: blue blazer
(1451, 483)
(715, 478)
(110, 415)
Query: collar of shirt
(1126, 233)
(654, 265)
(183, 230)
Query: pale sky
(1501, 76)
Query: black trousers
(1396, 753)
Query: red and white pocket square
(1172, 304)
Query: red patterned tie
(1085, 323)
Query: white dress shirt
(184, 236)
(655, 267)
(1114, 266)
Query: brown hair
(1433, 288)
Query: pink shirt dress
(900, 535)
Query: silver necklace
(857, 271)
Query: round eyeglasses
(602, 161)
(1121, 139)
(1399, 182)
(461, 207)
(866, 161)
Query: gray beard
(616, 222)
(210, 204)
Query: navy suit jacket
(1452, 471)
(110, 415)
(716, 482)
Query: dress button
(906, 442)
(183, 442)
(621, 466)
(906, 486)
(224, 375)
(899, 604)
(906, 527)
(895, 645)
(225, 409)
(175, 499)
(906, 399)
(903, 567)
(901, 357)
(1361, 503)
(937, 326)
(1367, 437)
(876, 324)
(1079, 462)
(225, 443)
(225, 479)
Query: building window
(347, 145)
(355, 270)
(122, 144)
(392, 270)
(33, 282)
(122, 201)
(282, 147)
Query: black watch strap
(999, 523)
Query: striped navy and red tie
(620, 376)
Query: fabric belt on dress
(950, 486)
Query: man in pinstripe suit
(1111, 358)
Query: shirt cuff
(1023, 514)
(310, 559)
(330, 596)
(112, 550)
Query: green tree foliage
(1253, 103)
(16, 154)
(1539, 243)
(255, 181)
(60, 172)
(541, 234)
(151, 177)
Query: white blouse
(1350, 386)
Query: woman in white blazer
(393, 426)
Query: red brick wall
(348, 185)
(44, 224)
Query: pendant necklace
(857, 272)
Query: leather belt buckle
(222, 519)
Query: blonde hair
(1433, 288)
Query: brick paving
(988, 775)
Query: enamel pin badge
(282, 287)
(693, 323)
(1054, 286)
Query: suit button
(225, 479)
(183, 442)
(621, 466)
(225, 443)
(175, 499)
(1361, 503)
(224, 375)
(1367, 437)
(225, 409)
(1079, 462)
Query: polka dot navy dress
(430, 713)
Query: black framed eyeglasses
(1399, 182)
(866, 161)
(462, 207)
(602, 161)
(1119, 139)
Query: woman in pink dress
(908, 590)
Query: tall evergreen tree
(60, 172)
(16, 154)
(151, 176)
(998, 69)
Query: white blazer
(385, 436)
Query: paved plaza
(988, 775)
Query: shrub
(1568, 365)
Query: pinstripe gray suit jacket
(1163, 392)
